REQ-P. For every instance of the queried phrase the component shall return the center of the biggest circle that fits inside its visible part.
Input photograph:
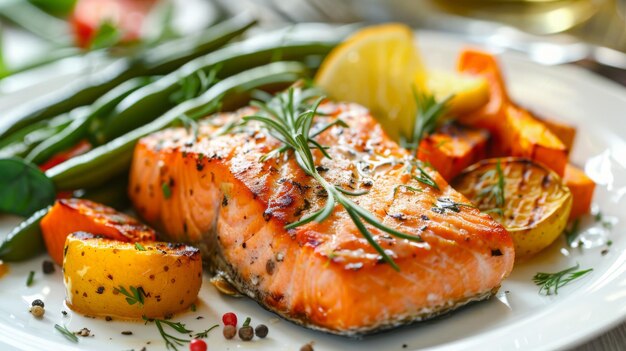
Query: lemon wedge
(379, 66)
(469, 92)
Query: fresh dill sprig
(495, 190)
(549, 283)
(136, 296)
(68, 334)
(429, 111)
(205, 334)
(171, 341)
(289, 118)
(572, 232)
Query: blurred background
(589, 33)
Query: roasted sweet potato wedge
(453, 148)
(582, 188)
(525, 136)
(110, 278)
(565, 132)
(72, 215)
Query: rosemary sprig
(444, 204)
(289, 119)
(194, 85)
(549, 283)
(68, 334)
(494, 191)
(205, 334)
(423, 176)
(136, 296)
(171, 341)
(429, 111)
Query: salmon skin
(215, 192)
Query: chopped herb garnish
(405, 187)
(171, 341)
(136, 296)
(205, 334)
(609, 243)
(167, 192)
(598, 216)
(495, 190)
(549, 283)
(139, 247)
(572, 232)
(193, 307)
(429, 111)
(68, 334)
(31, 277)
(446, 203)
(289, 118)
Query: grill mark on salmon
(324, 275)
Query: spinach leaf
(24, 189)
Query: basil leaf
(24, 189)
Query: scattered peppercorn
(197, 345)
(127, 332)
(229, 331)
(246, 333)
(37, 302)
(108, 318)
(307, 347)
(48, 267)
(229, 318)
(37, 311)
(83, 332)
(64, 313)
(261, 330)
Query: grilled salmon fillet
(215, 192)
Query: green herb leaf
(572, 232)
(549, 283)
(205, 334)
(24, 188)
(171, 341)
(31, 277)
(108, 35)
(139, 247)
(167, 192)
(429, 111)
(135, 296)
(68, 334)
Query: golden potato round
(109, 278)
(536, 203)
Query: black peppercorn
(261, 330)
(37, 303)
(48, 267)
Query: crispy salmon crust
(216, 193)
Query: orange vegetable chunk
(582, 188)
(72, 215)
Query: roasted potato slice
(72, 215)
(534, 206)
(105, 277)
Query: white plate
(518, 318)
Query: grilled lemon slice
(534, 205)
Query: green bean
(83, 120)
(295, 44)
(86, 92)
(23, 141)
(105, 162)
(25, 240)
